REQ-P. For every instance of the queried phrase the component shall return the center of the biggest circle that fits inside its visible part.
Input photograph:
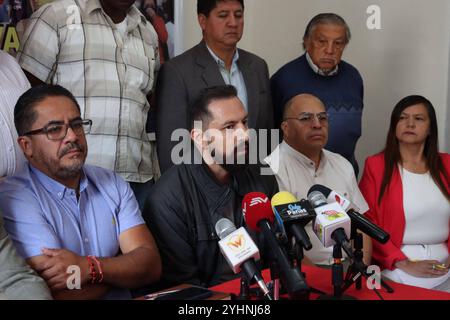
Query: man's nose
(330, 48)
(70, 135)
(232, 21)
(242, 132)
(315, 122)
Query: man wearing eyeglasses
(321, 72)
(77, 225)
(301, 161)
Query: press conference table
(320, 279)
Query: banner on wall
(165, 16)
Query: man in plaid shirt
(106, 54)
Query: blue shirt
(233, 76)
(341, 93)
(40, 212)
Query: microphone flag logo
(258, 200)
(236, 243)
(338, 199)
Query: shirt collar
(54, 186)
(307, 162)
(317, 70)
(219, 61)
(134, 16)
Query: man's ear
(202, 21)
(26, 145)
(197, 137)
(284, 129)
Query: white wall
(409, 55)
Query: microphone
(259, 216)
(358, 220)
(293, 215)
(332, 224)
(240, 252)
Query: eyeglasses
(308, 117)
(57, 130)
(322, 43)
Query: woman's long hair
(431, 151)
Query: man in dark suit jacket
(214, 61)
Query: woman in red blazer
(418, 250)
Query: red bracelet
(92, 271)
(99, 267)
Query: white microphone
(358, 220)
(241, 252)
(332, 224)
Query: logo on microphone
(236, 243)
(258, 200)
(333, 215)
(294, 209)
(338, 199)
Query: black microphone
(358, 220)
(293, 216)
(259, 216)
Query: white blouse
(427, 215)
(427, 211)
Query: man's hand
(423, 269)
(54, 268)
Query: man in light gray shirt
(17, 280)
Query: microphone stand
(244, 293)
(275, 276)
(337, 277)
(358, 269)
(299, 255)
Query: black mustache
(73, 146)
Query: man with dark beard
(189, 199)
(77, 225)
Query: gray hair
(326, 18)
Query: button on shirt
(109, 74)
(13, 84)
(297, 173)
(40, 212)
(233, 77)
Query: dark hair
(24, 114)
(206, 6)
(326, 18)
(392, 154)
(199, 109)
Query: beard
(238, 161)
(64, 168)
(73, 168)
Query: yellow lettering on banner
(11, 40)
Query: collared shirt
(319, 71)
(233, 76)
(40, 212)
(13, 84)
(296, 173)
(109, 75)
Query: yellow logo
(236, 242)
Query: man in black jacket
(189, 199)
